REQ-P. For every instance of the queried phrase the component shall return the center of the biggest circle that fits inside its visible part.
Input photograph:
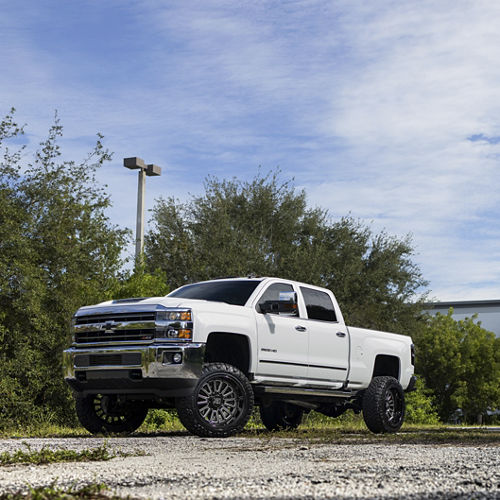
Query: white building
(488, 311)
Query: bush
(161, 420)
(419, 406)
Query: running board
(296, 391)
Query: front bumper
(141, 371)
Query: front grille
(115, 335)
(135, 317)
(110, 327)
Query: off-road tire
(220, 404)
(281, 416)
(94, 415)
(384, 405)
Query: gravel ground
(190, 467)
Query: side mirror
(285, 306)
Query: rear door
(328, 339)
(282, 339)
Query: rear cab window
(319, 305)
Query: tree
(460, 362)
(264, 227)
(58, 251)
(140, 283)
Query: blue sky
(387, 110)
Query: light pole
(149, 170)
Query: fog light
(177, 358)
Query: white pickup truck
(215, 349)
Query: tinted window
(233, 292)
(319, 305)
(273, 293)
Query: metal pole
(139, 231)
(149, 170)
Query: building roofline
(463, 303)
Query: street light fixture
(151, 171)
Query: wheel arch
(231, 348)
(386, 364)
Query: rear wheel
(220, 404)
(281, 416)
(384, 405)
(101, 413)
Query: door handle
(340, 334)
(300, 328)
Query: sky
(387, 111)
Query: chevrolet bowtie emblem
(108, 325)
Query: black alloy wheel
(384, 405)
(219, 401)
(220, 404)
(102, 413)
(393, 406)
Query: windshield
(234, 292)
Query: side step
(298, 391)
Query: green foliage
(140, 283)
(354, 434)
(41, 429)
(46, 455)
(58, 251)
(348, 421)
(264, 227)
(420, 408)
(163, 421)
(94, 491)
(460, 362)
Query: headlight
(173, 315)
(174, 324)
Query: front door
(282, 340)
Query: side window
(319, 305)
(273, 293)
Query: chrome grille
(110, 327)
(115, 335)
(120, 317)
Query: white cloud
(369, 105)
(427, 82)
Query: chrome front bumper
(138, 370)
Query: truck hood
(150, 304)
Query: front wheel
(101, 413)
(281, 416)
(384, 405)
(220, 404)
